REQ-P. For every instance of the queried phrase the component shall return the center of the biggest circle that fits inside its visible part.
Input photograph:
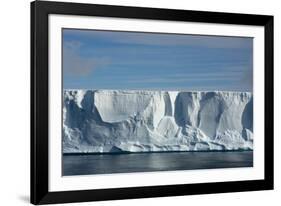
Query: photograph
(133, 102)
(150, 102)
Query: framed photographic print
(131, 102)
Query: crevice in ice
(168, 104)
(247, 116)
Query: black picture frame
(39, 102)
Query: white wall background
(14, 102)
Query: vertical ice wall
(116, 120)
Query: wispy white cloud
(190, 77)
(75, 64)
(182, 79)
(246, 79)
(162, 39)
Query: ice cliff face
(139, 121)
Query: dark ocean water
(149, 162)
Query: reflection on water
(148, 162)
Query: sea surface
(148, 162)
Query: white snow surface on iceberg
(142, 121)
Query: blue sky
(133, 60)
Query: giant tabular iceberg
(141, 121)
